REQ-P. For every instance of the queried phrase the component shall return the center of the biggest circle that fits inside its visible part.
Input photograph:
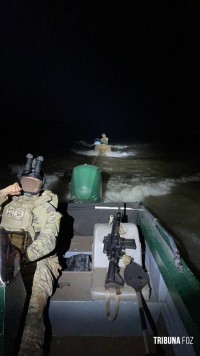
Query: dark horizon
(72, 71)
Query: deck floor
(102, 346)
(106, 346)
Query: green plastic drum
(86, 184)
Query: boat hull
(77, 310)
(170, 301)
(102, 149)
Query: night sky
(71, 70)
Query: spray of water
(134, 190)
(115, 154)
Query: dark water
(165, 178)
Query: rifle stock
(113, 278)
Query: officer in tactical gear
(32, 223)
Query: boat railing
(170, 245)
(9, 261)
(168, 242)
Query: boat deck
(79, 325)
(98, 346)
(106, 346)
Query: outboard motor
(86, 184)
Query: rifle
(114, 247)
(124, 215)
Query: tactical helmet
(32, 178)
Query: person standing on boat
(104, 139)
(32, 224)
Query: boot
(33, 335)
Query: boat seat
(100, 262)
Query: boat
(148, 305)
(101, 148)
(124, 287)
(86, 308)
(12, 298)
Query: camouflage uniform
(33, 224)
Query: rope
(94, 160)
(99, 154)
(107, 298)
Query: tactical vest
(18, 215)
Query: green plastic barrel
(86, 184)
